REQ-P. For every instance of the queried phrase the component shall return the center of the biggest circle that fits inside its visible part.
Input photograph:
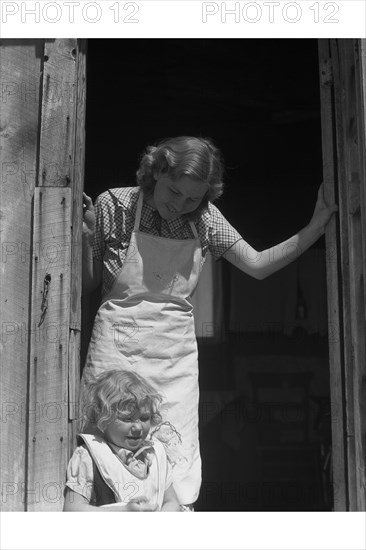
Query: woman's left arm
(262, 264)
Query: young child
(117, 467)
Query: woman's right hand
(88, 218)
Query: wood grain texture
(48, 389)
(73, 377)
(77, 186)
(354, 141)
(349, 126)
(350, 113)
(361, 93)
(335, 318)
(20, 66)
(59, 93)
(62, 153)
(361, 374)
(338, 56)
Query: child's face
(129, 430)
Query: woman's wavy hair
(196, 157)
(117, 390)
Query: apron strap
(138, 210)
(194, 230)
(138, 216)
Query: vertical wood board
(58, 105)
(20, 66)
(349, 118)
(361, 94)
(77, 185)
(335, 321)
(48, 399)
(73, 377)
(337, 49)
(356, 160)
(355, 369)
(361, 91)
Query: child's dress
(104, 474)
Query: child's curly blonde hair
(117, 390)
(181, 156)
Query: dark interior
(265, 422)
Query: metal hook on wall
(44, 304)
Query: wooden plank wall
(343, 106)
(48, 395)
(20, 65)
(57, 222)
(52, 282)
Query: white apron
(124, 484)
(145, 323)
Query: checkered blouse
(115, 216)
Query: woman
(146, 245)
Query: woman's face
(173, 198)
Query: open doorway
(265, 422)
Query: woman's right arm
(92, 268)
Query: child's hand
(136, 505)
(140, 505)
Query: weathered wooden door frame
(342, 66)
(43, 124)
